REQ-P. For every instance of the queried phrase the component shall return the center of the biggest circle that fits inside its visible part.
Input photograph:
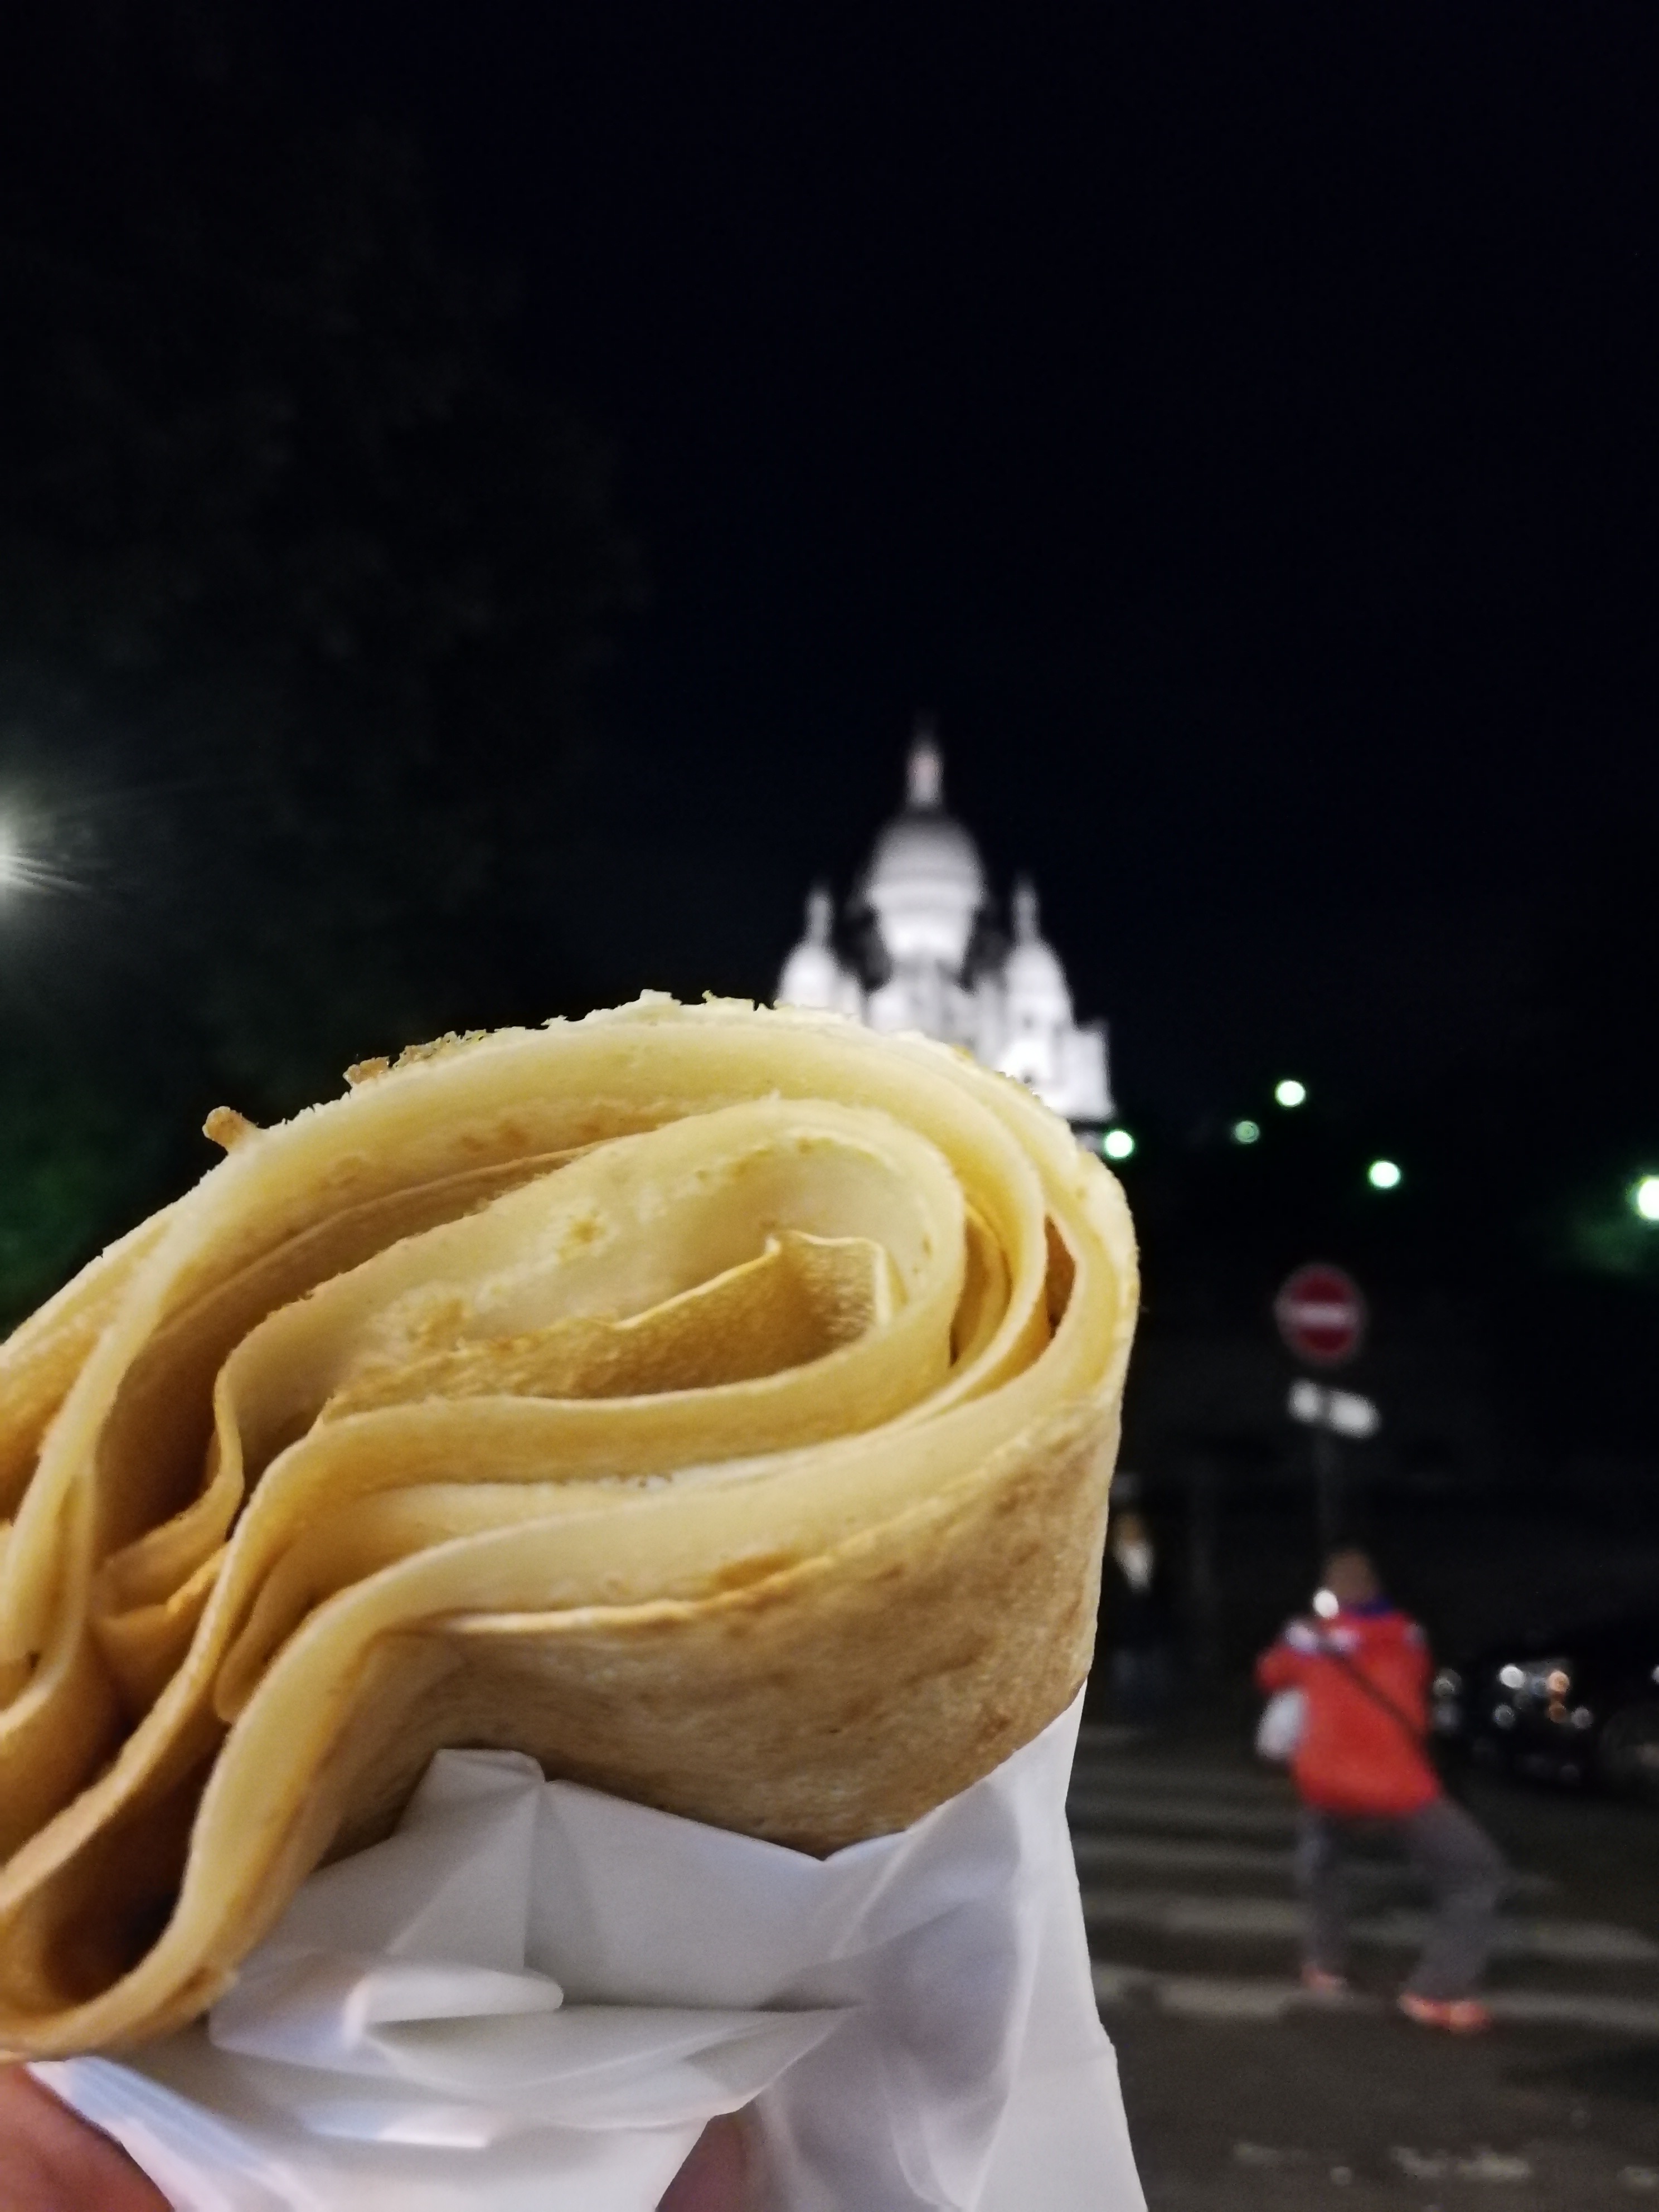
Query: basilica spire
(925, 774)
(1025, 912)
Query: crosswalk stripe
(1254, 1919)
(1575, 2009)
(1110, 1736)
(1091, 1803)
(1210, 1780)
(1098, 1854)
(1211, 1996)
(1260, 1998)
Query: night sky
(1237, 427)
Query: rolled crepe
(718, 1405)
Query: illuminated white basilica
(922, 952)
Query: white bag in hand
(1279, 1732)
(532, 1996)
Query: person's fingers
(52, 2162)
(714, 2179)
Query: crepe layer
(718, 1405)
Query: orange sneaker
(1319, 1982)
(1456, 2015)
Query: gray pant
(1462, 1866)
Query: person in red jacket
(1362, 1669)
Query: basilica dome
(925, 882)
(922, 952)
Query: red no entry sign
(1321, 1315)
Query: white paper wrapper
(533, 1997)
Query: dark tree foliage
(302, 595)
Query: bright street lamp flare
(1644, 1197)
(1289, 1093)
(1383, 1175)
(1117, 1143)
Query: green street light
(1289, 1093)
(1117, 1143)
(1644, 1197)
(1246, 1133)
(1383, 1175)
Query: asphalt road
(1245, 2096)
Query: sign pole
(1322, 1317)
(1328, 1490)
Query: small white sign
(1344, 1412)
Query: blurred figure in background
(1362, 1669)
(1135, 1612)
